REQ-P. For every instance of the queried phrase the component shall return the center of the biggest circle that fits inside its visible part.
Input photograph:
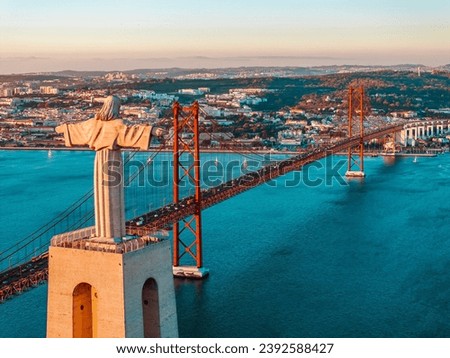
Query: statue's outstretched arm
(60, 129)
(76, 134)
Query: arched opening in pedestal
(150, 309)
(84, 311)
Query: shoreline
(211, 150)
(155, 149)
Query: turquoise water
(366, 259)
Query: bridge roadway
(163, 217)
(18, 279)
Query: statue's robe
(106, 138)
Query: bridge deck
(163, 217)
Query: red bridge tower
(356, 124)
(186, 174)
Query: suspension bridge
(25, 264)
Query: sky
(53, 35)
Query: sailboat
(415, 159)
(49, 153)
(216, 161)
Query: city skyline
(114, 35)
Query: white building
(6, 92)
(48, 90)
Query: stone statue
(106, 134)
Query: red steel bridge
(183, 215)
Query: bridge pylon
(355, 154)
(187, 233)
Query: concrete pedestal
(355, 174)
(109, 294)
(190, 272)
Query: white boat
(216, 161)
(415, 160)
(49, 153)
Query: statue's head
(110, 109)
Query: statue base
(105, 290)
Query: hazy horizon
(108, 35)
(188, 63)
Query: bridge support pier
(190, 272)
(102, 292)
(355, 174)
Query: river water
(306, 255)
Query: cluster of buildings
(234, 103)
(30, 110)
(27, 90)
